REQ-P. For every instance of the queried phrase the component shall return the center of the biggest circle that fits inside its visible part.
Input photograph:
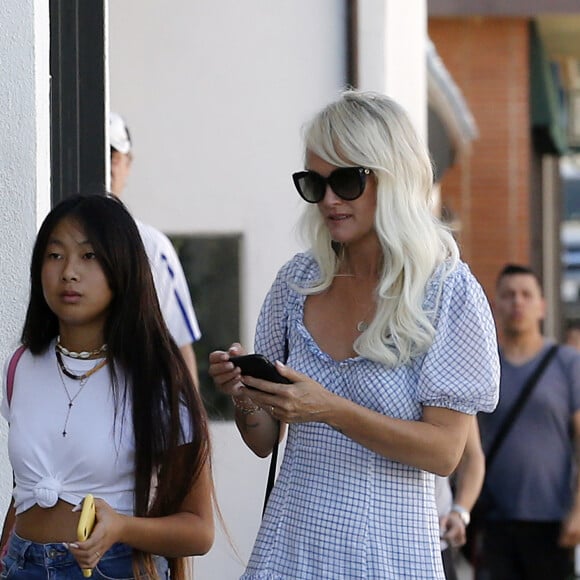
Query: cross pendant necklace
(71, 400)
(82, 379)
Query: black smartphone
(257, 365)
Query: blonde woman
(390, 347)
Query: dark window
(211, 266)
(571, 199)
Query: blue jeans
(25, 560)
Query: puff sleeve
(460, 371)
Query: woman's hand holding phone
(258, 366)
(300, 400)
(225, 375)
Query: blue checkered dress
(339, 510)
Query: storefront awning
(452, 127)
(547, 109)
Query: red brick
(488, 59)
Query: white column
(24, 167)
(392, 36)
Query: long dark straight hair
(157, 380)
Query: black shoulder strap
(274, 460)
(518, 405)
(271, 474)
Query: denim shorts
(31, 561)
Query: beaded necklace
(84, 354)
(82, 378)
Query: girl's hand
(303, 401)
(107, 531)
(225, 375)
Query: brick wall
(489, 190)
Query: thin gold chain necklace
(362, 324)
(82, 378)
(62, 371)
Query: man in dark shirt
(534, 515)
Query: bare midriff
(48, 525)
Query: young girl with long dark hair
(102, 403)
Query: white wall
(215, 93)
(392, 53)
(24, 169)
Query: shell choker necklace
(84, 354)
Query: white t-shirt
(171, 285)
(96, 455)
(60, 455)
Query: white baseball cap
(119, 134)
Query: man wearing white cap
(170, 282)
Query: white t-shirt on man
(171, 285)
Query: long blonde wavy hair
(370, 130)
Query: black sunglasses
(347, 182)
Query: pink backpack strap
(12, 371)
